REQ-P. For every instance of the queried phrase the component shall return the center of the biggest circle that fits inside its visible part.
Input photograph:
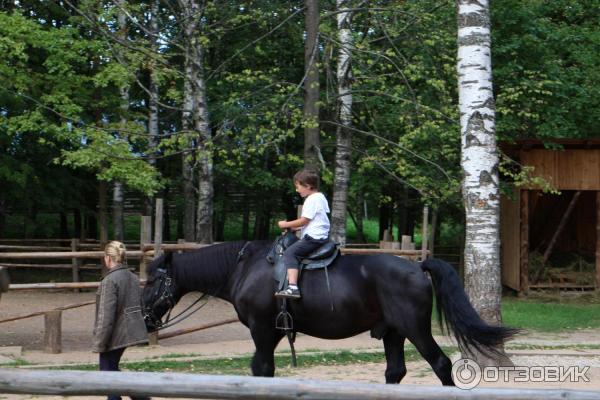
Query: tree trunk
(64, 225)
(118, 219)
(204, 227)
(245, 218)
(360, 216)
(187, 162)
(384, 219)
(118, 189)
(403, 213)
(2, 216)
(102, 213)
(479, 162)
(76, 223)
(311, 86)
(166, 220)
(196, 117)
(30, 220)
(343, 136)
(434, 230)
(153, 121)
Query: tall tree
(311, 86)
(479, 161)
(196, 101)
(153, 95)
(343, 152)
(118, 189)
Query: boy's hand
(281, 224)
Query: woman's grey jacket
(119, 322)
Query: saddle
(318, 259)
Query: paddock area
(22, 342)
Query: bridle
(164, 293)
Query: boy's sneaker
(289, 293)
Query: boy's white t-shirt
(315, 208)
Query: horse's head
(160, 293)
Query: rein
(168, 323)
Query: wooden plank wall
(510, 234)
(572, 169)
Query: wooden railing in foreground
(86, 383)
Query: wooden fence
(53, 318)
(86, 383)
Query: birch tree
(479, 161)
(311, 85)
(153, 96)
(187, 156)
(343, 134)
(118, 189)
(195, 100)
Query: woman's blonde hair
(116, 251)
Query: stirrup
(284, 321)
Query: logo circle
(466, 373)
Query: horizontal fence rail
(71, 383)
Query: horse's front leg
(266, 338)
(393, 344)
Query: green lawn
(550, 316)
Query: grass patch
(15, 363)
(549, 317)
(241, 365)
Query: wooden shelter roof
(568, 164)
(529, 144)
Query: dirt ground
(23, 340)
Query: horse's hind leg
(393, 344)
(432, 353)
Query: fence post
(158, 228)
(424, 241)
(52, 331)
(4, 280)
(145, 238)
(75, 262)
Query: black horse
(388, 294)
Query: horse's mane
(208, 267)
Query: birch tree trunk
(118, 192)
(187, 156)
(204, 227)
(187, 160)
(153, 133)
(479, 162)
(311, 86)
(195, 99)
(343, 136)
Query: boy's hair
(307, 177)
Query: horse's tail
(454, 308)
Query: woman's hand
(282, 224)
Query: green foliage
(546, 74)
(63, 126)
